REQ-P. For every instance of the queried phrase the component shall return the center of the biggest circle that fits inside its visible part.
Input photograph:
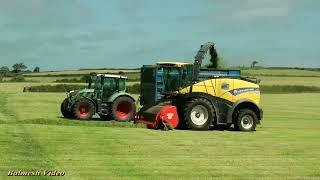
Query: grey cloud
(36, 14)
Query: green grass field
(301, 81)
(281, 72)
(35, 137)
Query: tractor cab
(105, 85)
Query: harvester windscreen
(177, 77)
(171, 78)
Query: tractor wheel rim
(199, 115)
(123, 110)
(84, 110)
(247, 122)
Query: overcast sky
(73, 34)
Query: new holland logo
(243, 90)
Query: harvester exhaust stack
(158, 117)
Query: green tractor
(106, 95)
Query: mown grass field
(33, 136)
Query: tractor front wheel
(83, 109)
(67, 113)
(123, 109)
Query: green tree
(4, 70)
(36, 69)
(18, 67)
(254, 63)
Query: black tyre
(67, 113)
(246, 120)
(83, 109)
(123, 109)
(199, 114)
(105, 117)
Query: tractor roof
(112, 76)
(173, 64)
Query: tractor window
(109, 87)
(122, 84)
(96, 83)
(109, 83)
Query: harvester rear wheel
(199, 114)
(123, 109)
(83, 109)
(246, 120)
(67, 113)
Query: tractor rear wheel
(67, 113)
(84, 109)
(123, 109)
(246, 120)
(199, 114)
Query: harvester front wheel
(67, 113)
(83, 109)
(123, 109)
(199, 114)
(246, 120)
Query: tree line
(16, 68)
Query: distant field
(280, 72)
(268, 76)
(78, 72)
(302, 81)
(45, 79)
(34, 136)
